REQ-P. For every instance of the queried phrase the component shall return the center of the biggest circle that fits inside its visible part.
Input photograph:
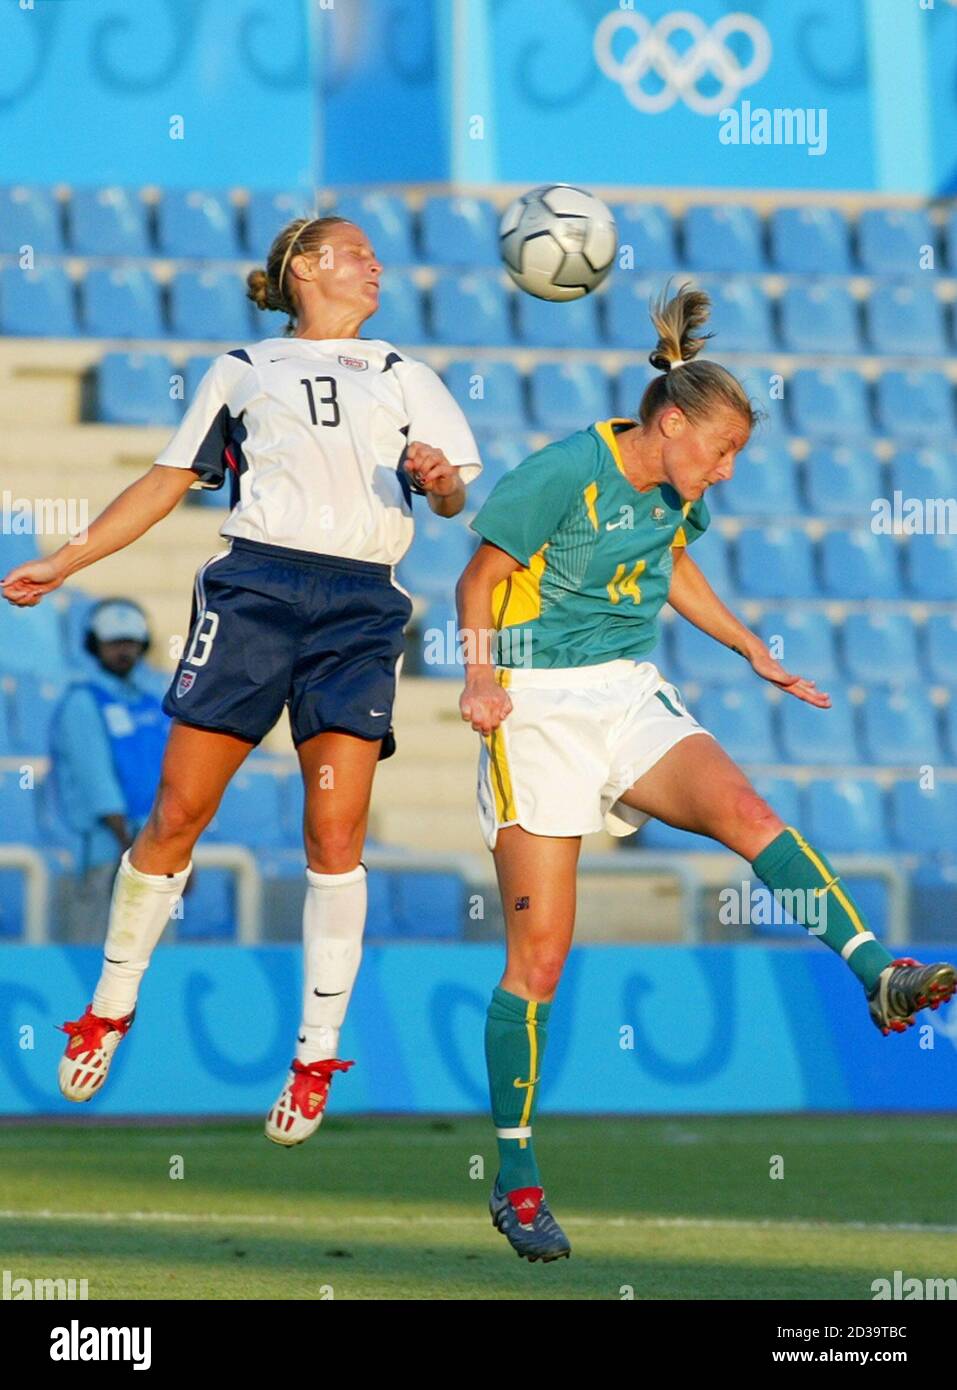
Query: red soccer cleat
(298, 1112)
(88, 1054)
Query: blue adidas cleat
(524, 1219)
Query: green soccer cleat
(905, 986)
(524, 1219)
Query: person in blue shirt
(106, 748)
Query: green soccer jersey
(595, 553)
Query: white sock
(333, 920)
(139, 910)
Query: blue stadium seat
(30, 216)
(429, 906)
(567, 397)
(842, 479)
(459, 231)
(740, 315)
(490, 392)
(846, 816)
(250, 812)
(500, 454)
(134, 389)
(12, 903)
(924, 472)
(710, 554)
(381, 924)
(34, 701)
(121, 303)
(858, 564)
(648, 229)
(31, 640)
(209, 304)
(398, 318)
(266, 213)
(656, 836)
(471, 309)
(699, 657)
(629, 387)
(209, 908)
(890, 240)
(931, 566)
(195, 369)
(829, 403)
(571, 325)
(723, 237)
(436, 557)
(880, 648)
(820, 737)
(439, 641)
(7, 733)
(17, 549)
(38, 303)
(768, 391)
(386, 221)
(740, 720)
(783, 795)
(939, 641)
(905, 320)
(197, 224)
(18, 810)
(764, 484)
(802, 639)
(810, 241)
(900, 727)
(819, 317)
(950, 726)
(923, 820)
(915, 405)
(108, 222)
(775, 562)
(625, 303)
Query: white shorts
(576, 739)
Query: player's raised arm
(128, 516)
(442, 456)
(692, 596)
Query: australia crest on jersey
(185, 683)
(358, 364)
(659, 516)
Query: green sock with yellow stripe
(515, 1032)
(815, 896)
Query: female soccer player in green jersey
(582, 545)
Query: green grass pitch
(671, 1208)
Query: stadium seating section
(841, 322)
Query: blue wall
(331, 92)
(716, 1029)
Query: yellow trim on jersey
(590, 494)
(517, 598)
(531, 1028)
(829, 882)
(679, 537)
(607, 433)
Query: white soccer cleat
(86, 1060)
(299, 1110)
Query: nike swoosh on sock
(335, 993)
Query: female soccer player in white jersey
(323, 437)
(582, 545)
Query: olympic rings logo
(680, 72)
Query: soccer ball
(558, 242)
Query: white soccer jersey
(310, 433)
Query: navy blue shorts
(272, 626)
